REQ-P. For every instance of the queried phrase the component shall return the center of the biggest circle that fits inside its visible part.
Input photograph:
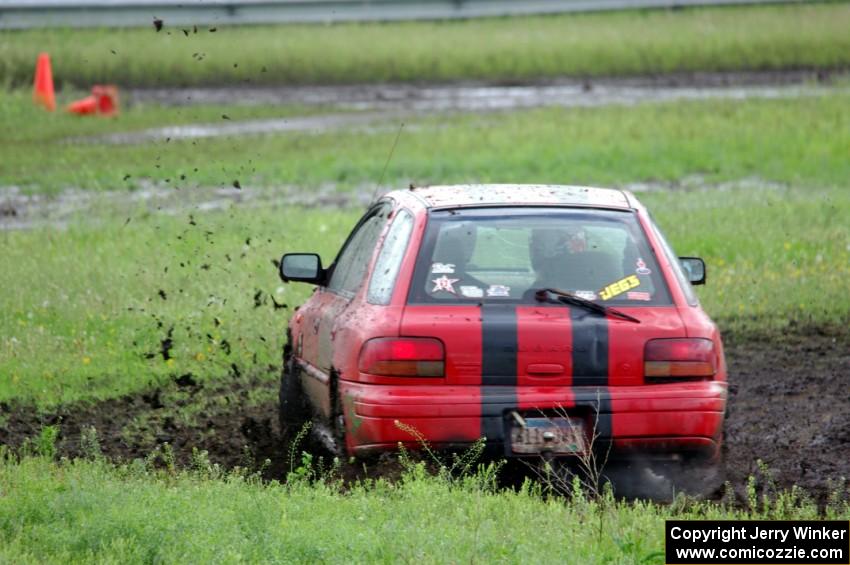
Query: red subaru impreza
(546, 319)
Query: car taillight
(685, 358)
(403, 357)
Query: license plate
(559, 436)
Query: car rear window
(505, 254)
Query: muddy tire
(293, 412)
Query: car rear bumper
(663, 419)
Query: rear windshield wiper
(563, 297)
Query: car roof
(478, 195)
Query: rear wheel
(293, 412)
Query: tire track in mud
(789, 407)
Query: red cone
(43, 85)
(84, 106)
(107, 99)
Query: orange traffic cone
(107, 99)
(84, 106)
(43, 86)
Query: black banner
(763, 542)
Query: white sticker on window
(586, 294)
(472, 291)
(498, 290)
(443, 268)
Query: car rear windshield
(506, 254)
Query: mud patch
(234, 420)
(788, 406)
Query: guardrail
(16, 14)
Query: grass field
(514, 49)
(86, 310)
(797, 141)
(93, 512)
(83, 316)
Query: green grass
(630, 43)
(83, 511)
(775, 257)
(797, 140)
(82, 315)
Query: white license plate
(559, 436)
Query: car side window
(350, 267)
(389, 260)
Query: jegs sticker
(638, 295)
(443, 268)
(499, 290)
(641, 268)
(619, 287)
(444, 283)
(472, 291)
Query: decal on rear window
(641, 268)
(586, 294)
(444, 283)
(638, 295)
(619, 287)
(472, 291)
(498, 290)
(443, 268)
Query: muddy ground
(789, 406)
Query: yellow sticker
(619, 287)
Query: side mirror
(694, 268)
(302, 267)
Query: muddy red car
(546, 319)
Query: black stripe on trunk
(590, 365)
(498, 364)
